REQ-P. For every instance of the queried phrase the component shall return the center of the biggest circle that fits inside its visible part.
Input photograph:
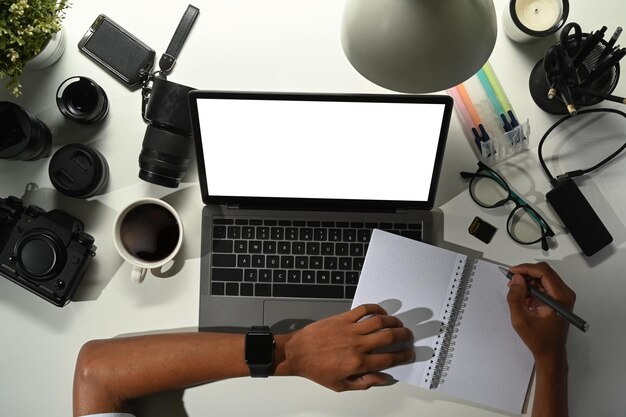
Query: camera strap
(168, 59)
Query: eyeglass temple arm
(481, 166)
(533, 213)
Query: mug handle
(138, 274)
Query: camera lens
(82, 100)
(22, 136)
(164, 157)
(167, 145)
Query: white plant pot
(50, 53)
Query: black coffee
(149, 232)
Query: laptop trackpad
(299, 313)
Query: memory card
(482, 230)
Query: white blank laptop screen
(319, 149)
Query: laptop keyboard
(284, 258)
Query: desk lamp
(418, 46)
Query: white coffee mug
(148, 233)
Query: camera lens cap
(38, 255)
(78, 171)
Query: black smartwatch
(259, 350)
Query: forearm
(336, 352)
(551, 387)
(111, 373)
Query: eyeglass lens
(523, 224)
(488, 192)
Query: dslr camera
(46, 253)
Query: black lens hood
(168, 107)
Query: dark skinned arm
(544, 332)
(335, 353)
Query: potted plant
(26, 28)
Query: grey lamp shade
(418, 46)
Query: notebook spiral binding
(444, 350)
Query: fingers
(379, 330)
(516, 300)
(542, 271)
(368, 376)
(387, 337)
(363, 310)
(550, 280)
(365, 381)
(379, 361)
(378, 322)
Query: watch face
(259, 348)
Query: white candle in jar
(538, 15)
(527, 20)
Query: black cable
(555, 181)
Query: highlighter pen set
(491, 123)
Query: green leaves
(25, 27)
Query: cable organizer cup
(506, 145)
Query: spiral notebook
(456, 307)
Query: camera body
(46, 253)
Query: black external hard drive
(578, 216)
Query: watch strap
(260, 329)
(260, 371)
(168, 59)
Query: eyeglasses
(489, 190)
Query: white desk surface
(284, 45)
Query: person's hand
(539, 326)
(337, 352)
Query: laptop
(294, 183)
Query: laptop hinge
(402, 211)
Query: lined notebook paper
(456, 307)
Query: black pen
(476, 138)
(484, 139)
(514, 121)
(608, 63)
(505, 123)
(549, 301)
(589, 43)
(608, 48)
(587, 92)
